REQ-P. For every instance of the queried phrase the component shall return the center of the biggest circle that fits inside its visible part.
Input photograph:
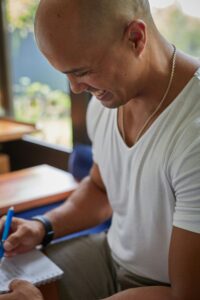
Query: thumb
(13, 240)
(16, 283)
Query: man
(22, 290)
(145, 130)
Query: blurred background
(41, 95)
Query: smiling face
(106, 71)
(106, 64)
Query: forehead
(69, 41)
(75, 53)
(69, 50)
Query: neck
(147, 116)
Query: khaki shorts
(89, 270)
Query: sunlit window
(179, 22)
(40, 93)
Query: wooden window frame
(78, 102)
(5, 76)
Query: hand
(25, 235)
(24, 290)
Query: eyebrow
(75, 70)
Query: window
(40, 93)
(179, 22)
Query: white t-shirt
(153, 185)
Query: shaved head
(98, 44)
(90, 17)
(97, 11)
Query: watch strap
(49, 233)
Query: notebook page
(33, 266)
(8, 271)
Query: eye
(81, 74)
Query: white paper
(32, 266)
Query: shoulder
(185, 119)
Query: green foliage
(34, 101)
(24, 20)
(180, 29)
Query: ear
(135, 34)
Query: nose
(76, 86)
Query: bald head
(61, 24)
(100, 9)
(91, 16)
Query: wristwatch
(49, 233)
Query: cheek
(120, 79)
(118, 73)
(98, 81)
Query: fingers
(18, 250)
(16, 283)
(24, 236)
(14, 225)
(25, 290)
(14, 238)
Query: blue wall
(26, 60)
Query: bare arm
(86, 207)
(184, 269)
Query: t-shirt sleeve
(186, 185)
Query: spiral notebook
(32, 266)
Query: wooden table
(33, 187)
(13, 130)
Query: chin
(113, 103)
(110, 104)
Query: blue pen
(6, 230)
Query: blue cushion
(80, 161)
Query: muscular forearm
(148, 293)
(8, 297)
(86, 207)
